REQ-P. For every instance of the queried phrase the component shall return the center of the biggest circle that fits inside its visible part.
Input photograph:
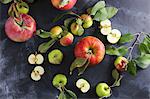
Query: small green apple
(55, 56)
(120, 63)
(74, 28)
(103, 90)
(59, 80)
(87, 20)
(22, 7)
(55, 31)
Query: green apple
(59, 80)
(103, 90)
(22, 7)
(55, 31)
(76, 29)
(120, 63)
(55, 56)
(87, 20)
(114, 36)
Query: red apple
(91, 48)
(67, 40)
(63, 4)
(20, 29)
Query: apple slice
(105, 23)
(35, 59)
(83, 85)
(114, 36)
(106, 31)
(39, 69)
(35, 76)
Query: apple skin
(103, 90)
(70, 5)
(120, 63)
(87, 45)
(19, 33)
(67, 40)
(87, 20)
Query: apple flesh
(63, 4)
(91, 48)
(103, 90)
(67, 40)
(20, 29)
(120, 63)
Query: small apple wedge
(35, 59)
(83, 85)
(114, 36)
(35, 76)
(39, 69)
(55, 56)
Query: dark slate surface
(15, 82)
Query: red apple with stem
(20, 29)
(89, 51)
(63, 4)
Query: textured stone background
(15, 82)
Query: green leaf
(68, 21)
(144, 49)
(111, 11)
(78, 62)
(61, 16)
(115, 74)
(97, 6)
(117, 82)
(101, 15)
(70, 94)
(80, 31)
(79, 21)
(5, 1)
(45, 46)
(62, 95)
(83, 68)
(121, 51)
(131, 68)
(143, 61)
(126, 38)
(43, 34)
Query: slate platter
(15, 82)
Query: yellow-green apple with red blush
(63, 4)
(91, 48)
(67, 40)
(20, 29)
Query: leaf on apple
(120, 51)
(5, 1)
(78, 62)
(126, 38)
(70, 94)
(83, 68)
(43, 34)
(101, 15)
(97, 6)
(46, 45)
(131, 68)
(111, 11)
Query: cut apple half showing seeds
(106, 31)
(36, 59)
(114, 36)
(39, 69)
(35, 76)
(105, 27)
(83, 85)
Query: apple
(22, 7)
(55, 31)
(103, 90)
(105, 27)
(63, 4)
(59, 80)
(114, 36)
(76, 29)
(67, 40)
(91, 48)
(121, 63)
(20, 29)
(87, 20)
(35, 59)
